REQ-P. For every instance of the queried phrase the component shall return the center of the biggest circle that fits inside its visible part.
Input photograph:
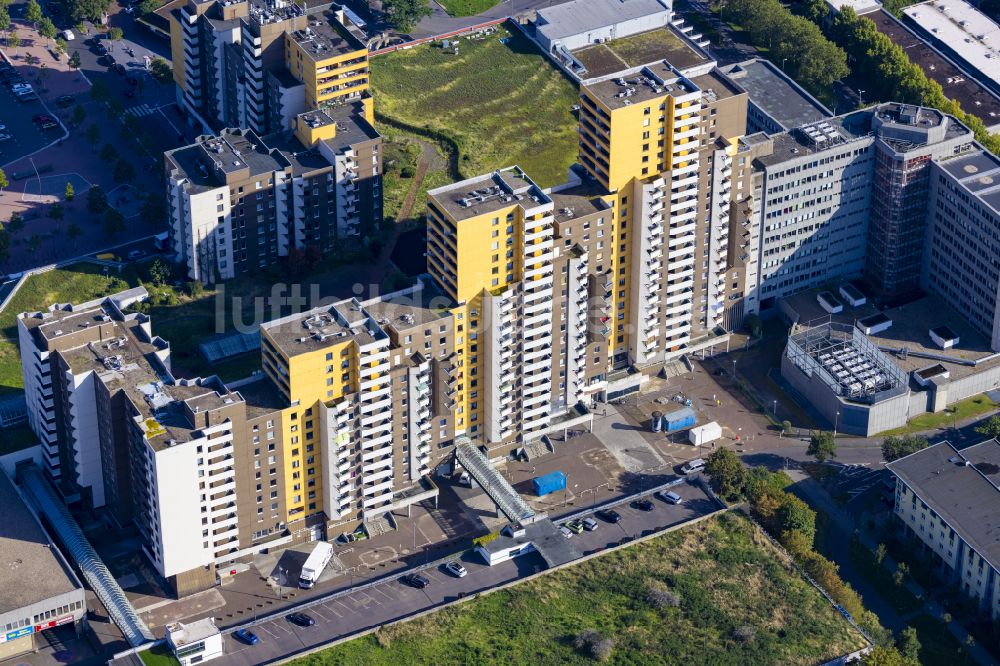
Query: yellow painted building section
(330, 79)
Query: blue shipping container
(549, 483)
(682, 418)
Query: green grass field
(74, 284)
(501, 103)
(466, 7)
(726, 575)
(977, 405)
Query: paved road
(393, 600)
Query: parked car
(301, 619)
(575, 526)
(101, 49)
(590, 524)
(610, 515)
(45, 122)
(669, 497)
(456, 569)
(119, 69)
(565, 531)
(693, 466)
(246, 636)
(136, 254)
(64, 100)
(643, 505)
(416, 580)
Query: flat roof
(970, 94)
(642, 48)
(859, 6)
(578, 16)
(961, 486)
(775, 93)
(653, 81)
(796, 143)
(31, 568)
(579, 201)
(207, 162)
(322, 327)
(326, 37)
(963, 29)
(487, 193)
(978, 172)
(414, 308)
(910, 328)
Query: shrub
(659, 596)
(408, 172)
(743, 634)
(595, 644)
(485, 539)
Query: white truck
(315, 563)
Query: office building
(846, 198)
(40, 590)
(948, 499)
(239, 202)
(258, 64)
(962, 254)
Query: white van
(693, 466)
(67, 35)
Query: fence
(444, 35)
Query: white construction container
(705, 434)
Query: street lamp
(774, 411)
(734, 368)
(836, 424)
(861, 101)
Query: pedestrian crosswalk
(141, 110)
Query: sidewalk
(818, 498)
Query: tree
(113, 222)
(13, 39)
(754, 324)
(991, 428)
(99, 91)
(89, 9)
(74, 230)
(74, 60)
(4, 244)
(883, 655)
(33, 12)
(4, 20)
(727, 472)
(154, 209)
(880, 552)
(909, 645)
(123, 171)
(79, 115)
(115, 35)
(149, 6)
(60, 45)
(3, 180)
(47, 29)
(794, 514)
(108, 153)
(16, 223)
(93, 135)
(97, 200)
(160, 70)
(895, 447)
(159, 271)
(56, 211)
(822, 446)
(403, 15)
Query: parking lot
(27, 136)
(393, 599)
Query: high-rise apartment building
(238, 202)
(257, 64)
